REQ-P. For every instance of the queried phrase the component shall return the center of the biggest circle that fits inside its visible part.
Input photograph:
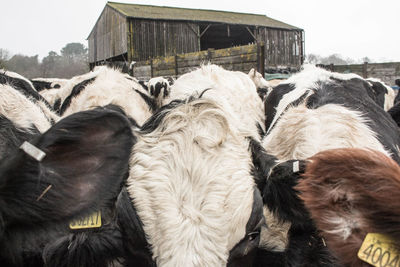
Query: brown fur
(361, 188)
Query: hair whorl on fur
(191, 184)
(349, 193)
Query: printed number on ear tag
(91, 221)
(378, 250)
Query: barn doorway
(220, 36)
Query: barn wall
(108, 37)
(156, 38)
(387, 72)
(282, 47)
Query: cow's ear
(281, 196)
(262, 162)
(86, 159)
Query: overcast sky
(351, 28)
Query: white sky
(351, 28)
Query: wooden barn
(131, 32)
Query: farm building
(131, 32)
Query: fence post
(365, 70)
(176, 66)
(209, 54)
(261, 58)
(151, 68)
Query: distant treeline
(72, 60)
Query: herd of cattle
(216, 168)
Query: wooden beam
(203, 32)
(193, 30)
(252, 34)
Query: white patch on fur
(21, 111)
(389, 97)
(51, 95)
(112, 87)
(343, 226)
(232, 89)
(274, 236)
(311, 74)
(191, 184)
(302, 132)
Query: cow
(24, 86)
(349, 193)
(262, 85)
(312, 111)
(192, 189)
(110, 86)
(232, 89)
(159, 88)
(74, 168)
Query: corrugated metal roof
(199, 15)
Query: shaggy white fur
(191, 185)
(303, 132)
(112, 87)
(23, 112)
(51, 95)
(232, 89)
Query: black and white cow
(262, 85)
(232, 89)
(85, 162)
(312, 111)
(25, 87)
(110, 86)
(192, 190)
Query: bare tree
(4, 56)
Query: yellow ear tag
(378, 250)
(91, 221)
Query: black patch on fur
(41, 85)
(379, 92)
(143, 84)
(306, 248)
(281, 198)
(243, 253)
(12, 137)
(394, 112)
(272, 101)
(154, 121)
(57, 105)
(75, 92)
(137, 249)
(262, 162)
(151, 103)
(262, 92)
